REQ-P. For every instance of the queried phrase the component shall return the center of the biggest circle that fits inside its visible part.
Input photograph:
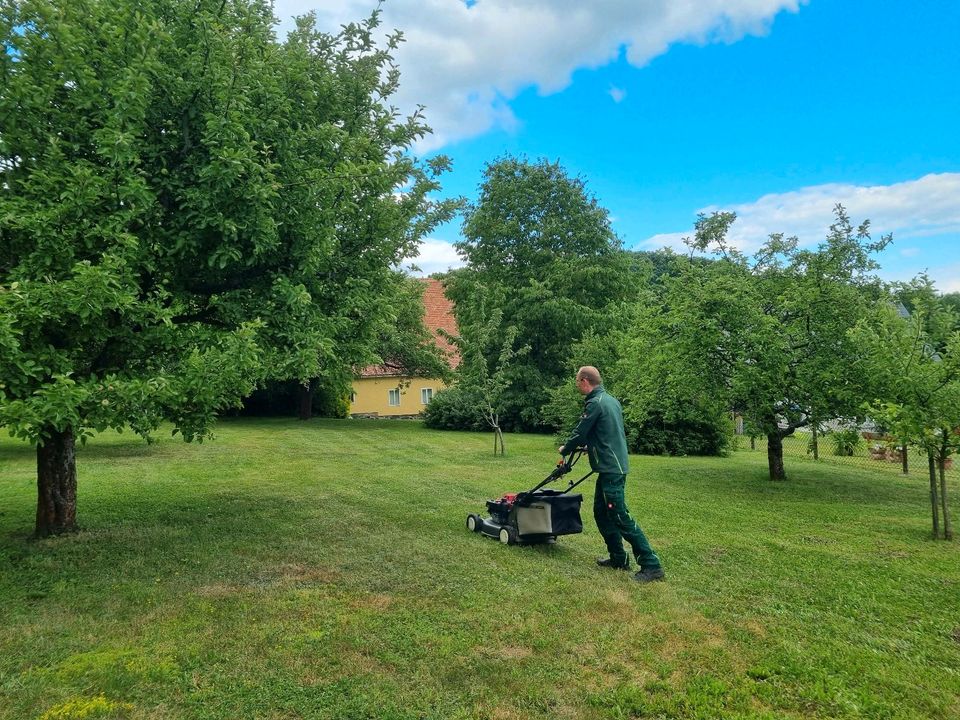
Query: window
(426, 395)
(353, 397)
(393, 397)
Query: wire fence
(871, 452)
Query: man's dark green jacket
(601, 430)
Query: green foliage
(404, 342)
(540, 250)
(171, 172)
(488, 354)
(914, 369)
(401, 341)
(455, 408)
(188, 206)
(951, 301)
(656, 422)
(660, 265)
(845, 441)
(940, 314)
(565, 402)
(692, 434)
(563, 409)
(916, 386)
(766, 337)
(278, 398)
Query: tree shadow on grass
(132, 446)
(202, 518)
(158, 538)
(18, 451)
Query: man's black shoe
(645, 576)
(608, 563)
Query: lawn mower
(536, 516)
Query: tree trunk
(56, 484)
(932, 467)
(753, 442)
(498, 439)
(947, 527)
(816, 444)
(305, 399)
(775, 455)
(903, 457)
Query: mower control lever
(563, 467)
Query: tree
(952, 301)
(766, 337)
(541, 250)
(186, 206)
(403, 341)
(488, 352)
(914, 368)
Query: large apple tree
(187, 206)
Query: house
(389, 391)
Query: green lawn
(323, 570)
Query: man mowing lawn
(601, 430)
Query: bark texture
(498, 441)
(932, 467)
(947, 525)
(56, 484)
(775, 456)
(305, 399)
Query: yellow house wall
(371, 395)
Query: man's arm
(579, 436)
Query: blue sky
(776, 109)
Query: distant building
(389, 390)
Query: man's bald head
(590, 374)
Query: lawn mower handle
(572, 485)
(563, 467)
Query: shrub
(845, 441)
(658, 435)
(455, 409)
(653, 431)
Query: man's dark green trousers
(616, 524)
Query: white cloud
(435, 256)
(465, 63)
(947, 279)
(922, 209)
(617, 94)
(918, 208)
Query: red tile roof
(437, 315)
